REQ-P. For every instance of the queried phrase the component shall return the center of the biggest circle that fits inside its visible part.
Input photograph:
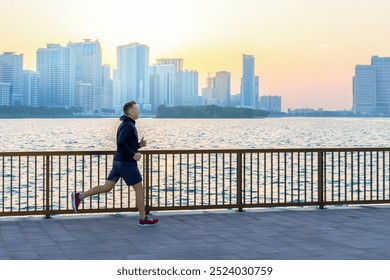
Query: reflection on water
(100, 134)
(184, 180)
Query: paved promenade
(361, 232)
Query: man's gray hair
(128, 106)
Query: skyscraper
(208, 91)
(271, 103)
(83, 97)
(382, 66)
(116, 93)
(106, 96)
(11, 71)
(31, 88)
(190, 88)
(364, 90)
(249, 91)
(5, 93)
(163, 79)
(55, 65)
(87, 57)
(222, 87)
(178, 64)
(371, 87)
(133, 73)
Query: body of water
(181, 181)
(99, 134)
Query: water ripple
(99, 134)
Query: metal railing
(40, 183)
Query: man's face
(134, 112)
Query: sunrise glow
(305, 51)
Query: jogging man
(124, 165)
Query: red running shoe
(148, 222)
(75, 201)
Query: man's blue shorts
(127, 170)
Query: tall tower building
(116, 93)
(55, 65)
(178, 64)
(222, 87)
(11, 71)
(249, 97)
(5, 94)
(257, 91)
(271, 103)
(364, 90)
(371, 87)
(83, 96)
(88, 70)
(31, 88)
(106, 100)
(208, 91)
(190, 88)
(133, 73)
(382, 66)
(163, 81)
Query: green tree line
(210, 111)
(27, 111)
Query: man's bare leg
(108, 186)
(139, 198)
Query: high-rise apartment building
(55, 65)
(83, 96)
(222, 87)
(162, 87)
(133, 73)
(178, 64)
(382, 66)
(271, 103)
(249, 83)
(5, 94)
(87, 58)
(371, 87)
(217, 90)
(208, 92)
(364, 90)
(190, 88)
(31, 88)
(11, 71)
(257, 91)
(116, 93)
(106, 96)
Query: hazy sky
(305, 50)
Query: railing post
(239, 182)
(320, 180)
(147, 182)
(47, 187)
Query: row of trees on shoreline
(46, 112)
(38, 112)
(210, 111)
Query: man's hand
(137, 156)
(142, 143)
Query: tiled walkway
(275, 234)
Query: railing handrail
(56, 153)
(198, 179)
(194, 151)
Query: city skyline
(305, 51)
